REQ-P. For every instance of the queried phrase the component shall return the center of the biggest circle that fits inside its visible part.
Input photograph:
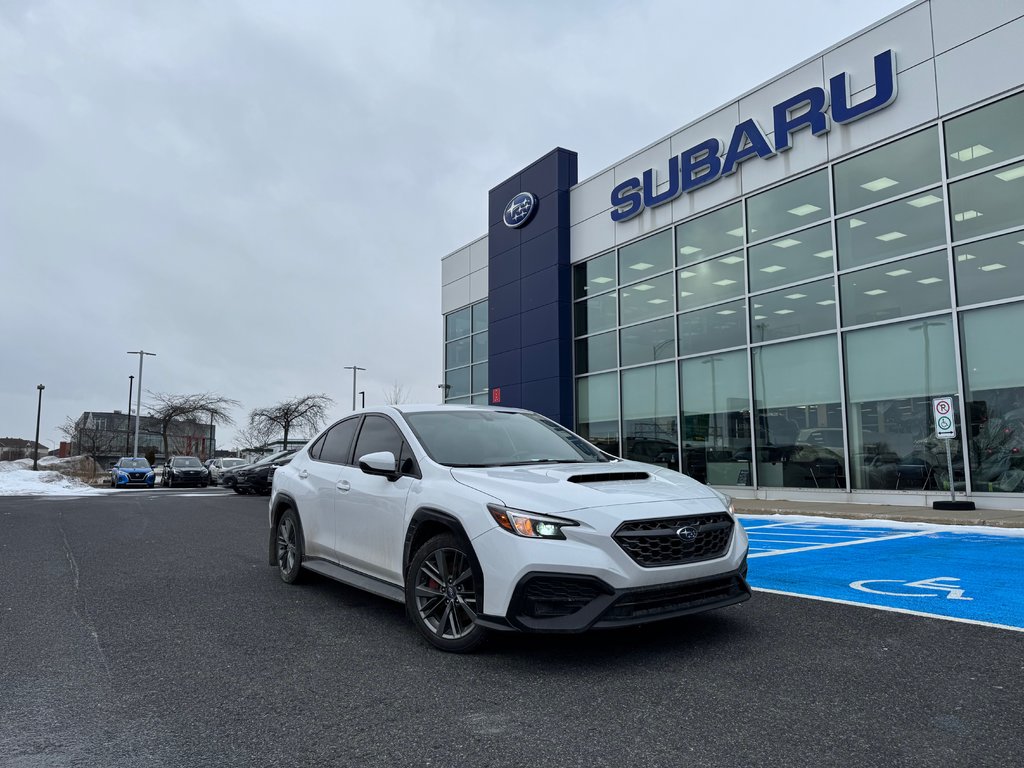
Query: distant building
(13, 448)
(106, 436)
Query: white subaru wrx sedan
(486, 518)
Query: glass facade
(795, 338)
(465, 355)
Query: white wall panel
(654, 157)
(591, 197)
(984, 67)
(915, 104)
(650, 220)
(718, 126)
(703, 198)
(455, 266)
(478, 254)
(909, 34)
(956, 21)
(591, 237)
(759, 104)
(455, 295)
(478, 285)
(808, 151)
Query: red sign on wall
(496, 395)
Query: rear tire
(289, 547)
(442, 594)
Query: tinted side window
(407, 463)
(314, 449)
(378, 434)
(338, 441)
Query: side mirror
(382, 463)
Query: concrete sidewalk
(852, 511)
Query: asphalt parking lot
(144, 628)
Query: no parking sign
(942, 410)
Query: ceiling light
(826, 302)
(656, 301)
(784, 311)
(797, 296)
(601, 280)
(643, 287)
(687, 274)
(965, 257)
(889, 236)
(724, 282)
(921, 202)
(875, 292)
(684, 294)
(738, 232)
(760, 317)
(772, 268)
(854, 223)
(686, 250)
(930, 280)
(789, 242)
(992, 267)
(967, 215)
(803, 210)
(879, 184)
(731, 260)
(726, 312)
(1013, 173)
(898, 272)
(641, 265)
(824, 254)
(978, 150)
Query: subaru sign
(704, 163)
(520, 209)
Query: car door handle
(344, 485)
(303, 474)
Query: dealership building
(771, 298)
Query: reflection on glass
(480, 316)
(798, 256)
(480, 377)
(648, 342)
(646, 257)
(985, 136)
(791, 205)
(458, 382)
(596, 353)
(995, 398)
(596, 314)
(717, 327)
(649, 415)
(988, 202)
(892, 372)
(793, 311)
(594, 276)
(909, 287)
(459, 323)
(709, 234)
(711, 281)
(990, 269)
(456, 353)
(893, 229)
(646, 300)
(715, 419)
(480, 347)
(889, 171)
(597, 411)
(798, 419)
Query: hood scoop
(609, 477)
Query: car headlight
(725, 499)
(528, 524)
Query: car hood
(565, 487)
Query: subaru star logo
(520, 209)
(687, 533)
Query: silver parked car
(217, 467)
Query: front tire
(442, 594)
(289, 547)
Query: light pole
(355, 369)
(138, 399)
(128, 427)
(39, 413)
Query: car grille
(550, 596)
(676, 598)
(655, 543)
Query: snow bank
(18, 479)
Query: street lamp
(138, 398)
(39, 413)
(354, 369)
(445, 387)
(128, 424)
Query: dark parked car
(131, 471)
(257, 478)
(229, 477)
(185, 470)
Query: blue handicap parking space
(964, 574)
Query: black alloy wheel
(289, 547)
(442, 591)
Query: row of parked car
(237, 474)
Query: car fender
(277, 505)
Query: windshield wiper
(542, 461)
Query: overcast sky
(261, 192)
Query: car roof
(423, 407)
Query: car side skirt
(355, 579)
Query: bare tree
(308, 413)
(204, 407)
(396, 395)
(89, 438)
(254, 437)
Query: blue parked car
(131, 471)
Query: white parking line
(841, 544)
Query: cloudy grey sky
(261, 191)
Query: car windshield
(232, 463)
(134, 463)
(485, 438)
(275, 457)
(186, 461)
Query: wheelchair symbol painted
(928, 587)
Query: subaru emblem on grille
(687, 533)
